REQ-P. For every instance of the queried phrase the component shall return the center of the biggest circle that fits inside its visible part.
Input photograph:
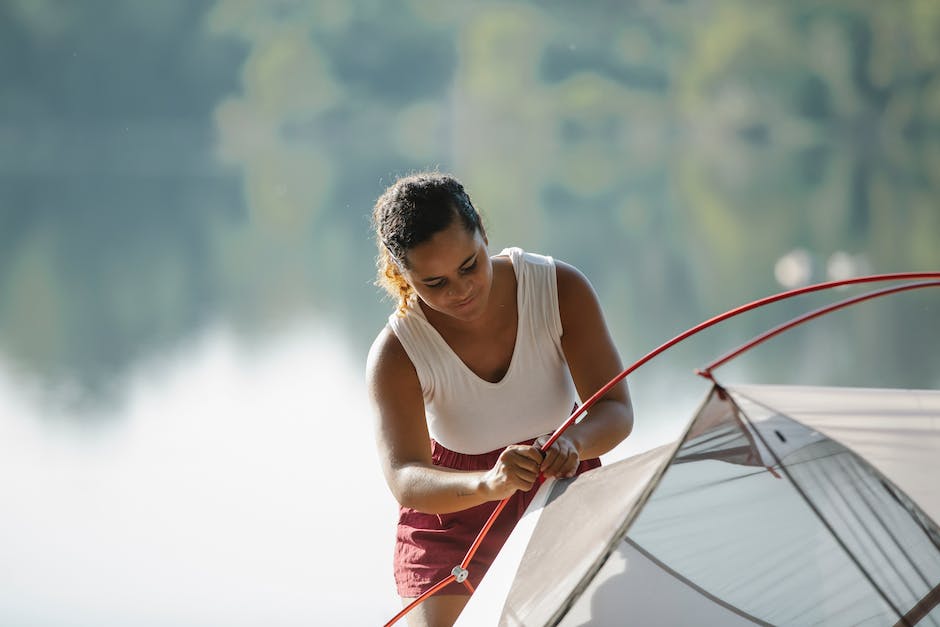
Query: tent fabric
(754, 517)
(821, 539)
(545, 559)
(668, 599)
(896, 431)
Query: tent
(779, 505)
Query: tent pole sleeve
(921, 609)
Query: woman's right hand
(516, 469)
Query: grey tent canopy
(779, 505)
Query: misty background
(186, 260)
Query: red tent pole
(731, 313)
(822, 311)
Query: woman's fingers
(519, 466)
(561, 459)
(556, 463)
(527, 461)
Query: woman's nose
(459, 287)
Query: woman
(484, 358)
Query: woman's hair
(409, 213)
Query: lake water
(232, 485)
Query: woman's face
(452, 272)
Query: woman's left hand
(561, 459)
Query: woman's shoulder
(527, 257)
(387, 355)
(569, 277)
(570, 280)
(575, 292)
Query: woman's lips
(464, 303)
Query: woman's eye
(470, 268)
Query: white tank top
(471, 415)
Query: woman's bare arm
(593, 361)
(404, 444)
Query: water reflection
(239, 488)
(681, 168)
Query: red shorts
(428, 546)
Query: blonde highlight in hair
(391, 280)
